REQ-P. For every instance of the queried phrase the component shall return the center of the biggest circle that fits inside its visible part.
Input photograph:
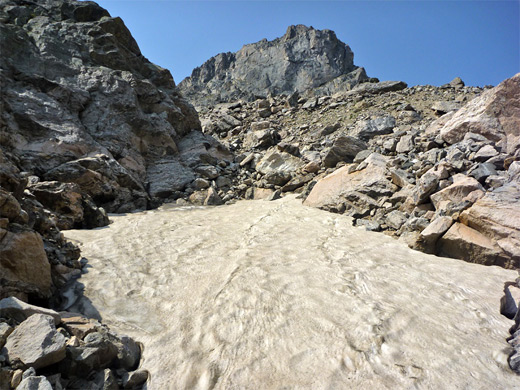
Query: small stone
(16, 378)
(134, 379)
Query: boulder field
(253, 294)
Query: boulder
(166, 177)
(23, 263)
(73, 208)
(9, 206)
(495, 114)
(19, 311)
(497, 216)
(259, 139)
(353, 192)
(344, 149)
(465, 243)
(278, 166)
(366, 130)
(36, 343)
(428, 237)
(462, 186)
(35, 383)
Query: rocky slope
(303, 59)
(435, 166)
(87, 126)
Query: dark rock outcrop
(80, 103)
(303, 59)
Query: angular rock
(497, 216)
(494, 114)
(279, 163)
(23, 262)
(19, 311)
(5, 331)
(356, 191)
(378, 88)
(428, 238)
(36, 343)
(465, 243)
(395, 219)
(369, 129)
(344, 148)
(462, 186)
(260, 139)
(35, 383)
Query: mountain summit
(303, 59)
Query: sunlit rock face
(80, 103)
(302, 59)
(274, 294)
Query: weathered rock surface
(35, 343)
(19, 311)
(495, 115)
(23, 263)
(304, 58)
(81, 104)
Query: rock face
(81, 104)
(304, 58)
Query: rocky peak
(301, 60)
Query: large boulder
(24, 267)
(354, 192)
(495, 114)
(497, 216)
(35, 343)
(278, 167)
(344, 149)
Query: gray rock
(135, 379)
(405, 144)
(35, 383)
(483, 171)
(379, 126)
(426, 186)
(260, 139)
(302, 59)
(168, 176)
(378, 88)
(485, 153)
(5, 331)
(456, 83)
(18, 310)
(395, 219)
(344, 148)
(36, 343)
(445, 107)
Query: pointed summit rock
(303, 59)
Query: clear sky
(419, 42)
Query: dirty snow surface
(275, 295)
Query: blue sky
(419, 42)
